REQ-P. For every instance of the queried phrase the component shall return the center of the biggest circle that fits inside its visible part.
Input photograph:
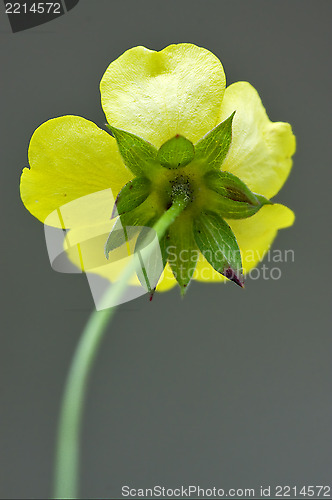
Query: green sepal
(138, 155)
(214, 146)
(234, 199)
(217, 242)
(132, 195)
(176, 153)
(230, 186)
(126, 228)
(149, 268)
(263, 200)
(149, 223)
(182, 251)
(120, 235)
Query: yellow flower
(179, 91)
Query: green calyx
(180, 172)
(176, 153)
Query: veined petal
(157, 95)
(69, 158)
(261, 150)
(254, 236)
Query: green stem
(68, 450)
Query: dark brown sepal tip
(115, 208)
(230, 274)
(184, 289)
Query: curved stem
(67, 453)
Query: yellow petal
(157, 95)
(69, 157)
(167, 280)
(261, 150)
(254, 236)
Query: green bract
(180, 169)
(176, 153)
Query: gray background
(226, 388)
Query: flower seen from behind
(178, 133)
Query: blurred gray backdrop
(228, 387)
